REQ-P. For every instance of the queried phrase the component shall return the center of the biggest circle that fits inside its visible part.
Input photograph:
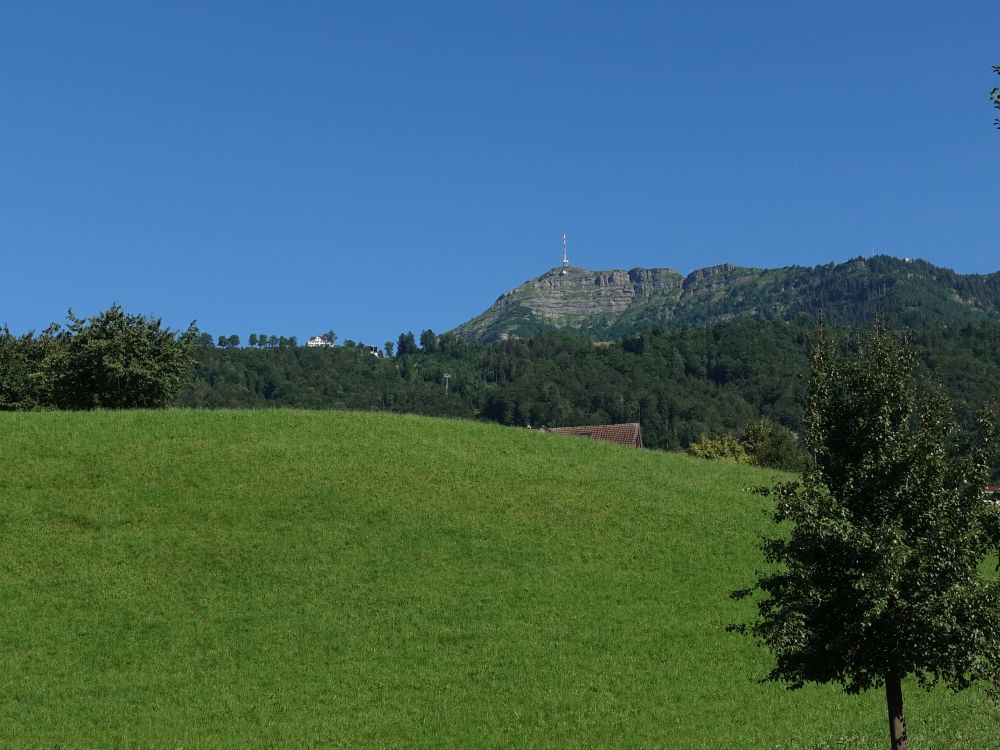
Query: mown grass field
(291, 579)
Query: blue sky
(374, 167)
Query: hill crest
(615, 302)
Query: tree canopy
(877, 569)
(111, 360)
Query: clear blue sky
(374, 167)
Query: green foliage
(879, 575)
(428, 342)
(680, 383)
(25, 379)
(763, 443)
(406, 345)
(13, 373)
(773, 445)
(344, 377)
(903, 292)
(229, 342)
(723, 448)
(112, 360)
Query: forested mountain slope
(608, 304)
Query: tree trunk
(897, 724)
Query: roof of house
(619, 434)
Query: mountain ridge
(616, 302)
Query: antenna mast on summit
(565, 263)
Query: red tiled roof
(619, 434)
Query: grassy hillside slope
(233, 579)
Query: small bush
(723, 448)
(763, 443)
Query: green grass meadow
(291, 579)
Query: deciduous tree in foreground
(112, 360)
(877, 567)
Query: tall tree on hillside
(428, 341)
(406, 344)
(388, 349)
(234, 341)
(879, 576)
(253, 340)
(114, 360)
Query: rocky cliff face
(577, 299)
(612, 303)
(558, 297)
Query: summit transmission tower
(565, 263)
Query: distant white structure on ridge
(318, 341)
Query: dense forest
(680, 383)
